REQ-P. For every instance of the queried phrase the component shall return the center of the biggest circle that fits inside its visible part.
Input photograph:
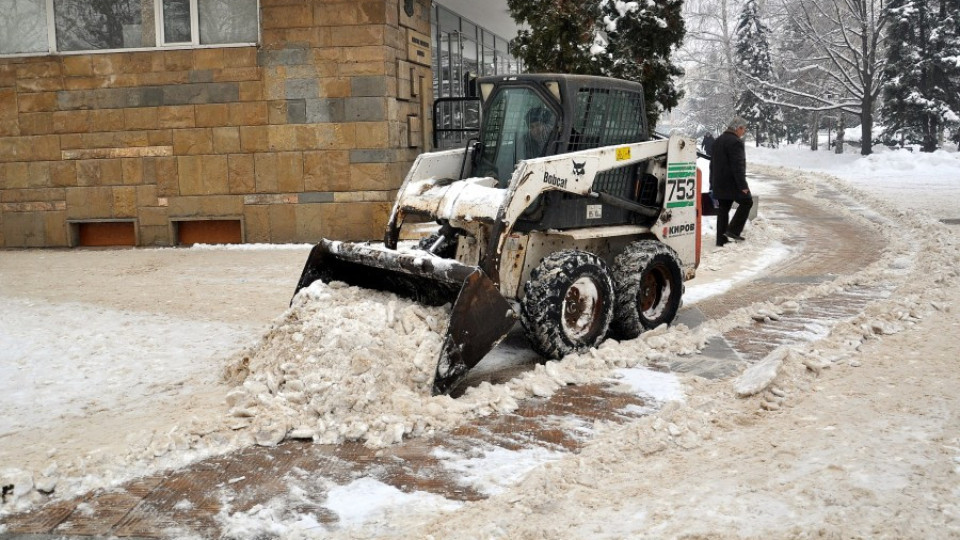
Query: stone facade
(308, 135)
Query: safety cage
(578, 112)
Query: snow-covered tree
(799, 62)
(753, 59)
(559, 36)
(918, 93)
(714, 84)
(841, 62)
(947, 62)
(627, 40)
(796, 125)
(710, 100)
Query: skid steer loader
(565, 214)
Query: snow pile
(882, 166)
(345, 363)
(920, 260)
(342, 363)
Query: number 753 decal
(681, 189)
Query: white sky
(52, 367)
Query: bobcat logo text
(554, 180)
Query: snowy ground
(153, 374)
(927, 182)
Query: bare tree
(711, 82)
(840, 66)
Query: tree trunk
(866, 127)
(815, 131)
(840, 128)
(930, 135)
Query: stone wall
(307, 135)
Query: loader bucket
(480, 317)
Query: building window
(209, 22)
(83, 25)
(176, 21)
(228, 21)
(23, 26)
(464, 51)
(107, 25)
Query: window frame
(518, 99)
(452, 36)
(160, 45)
(194, 26)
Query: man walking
(728, 181)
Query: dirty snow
(280, 386)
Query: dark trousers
(735, 225)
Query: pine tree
(947, 62)
(753, 60)
(608, 37)
(795, 125)
(920, 93)
(896, 111)
(559, 36)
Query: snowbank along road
(325, 425)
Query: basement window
(208, 231)
(108, 233)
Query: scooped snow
(346, 363)
(331, 370)
(758, 377)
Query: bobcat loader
(565, 214)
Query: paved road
(154, 506)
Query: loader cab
(578, 112)
(519, 122)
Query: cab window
(518, 125)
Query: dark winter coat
(728, 167)
(707, 144)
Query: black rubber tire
(567, 304)
(649, 285)
(448, 252)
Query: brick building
(169, 122)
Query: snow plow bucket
(480, 317)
